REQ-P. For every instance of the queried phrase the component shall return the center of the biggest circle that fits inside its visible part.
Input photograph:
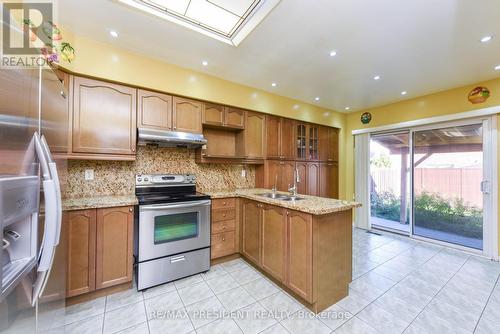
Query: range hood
(170, 138)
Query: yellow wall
(443, 103)
(106, 61)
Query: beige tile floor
(400, 285)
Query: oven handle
(174, 206)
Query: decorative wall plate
(366, 118)
(479, 95)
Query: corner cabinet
(103, 118)
(187, 115)
(100, 249)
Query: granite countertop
(310, 204)
(98, 202)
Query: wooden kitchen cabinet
(154, 110)
(225, 227)
(299, 257)
(114, 247)
(280, 138)
(313, 140)
(234, 118)
(279, 173)
(287, 172)
(253, 144)
(329, 180)
(313, 180)
(103, 118)
(251, 231)
(302, 183)
(81, 239)
(273, 137)
(274, 241)
(187, 115)
(301, 141)
(99, 243)
(223, 116)
(328, 144)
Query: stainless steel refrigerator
(33, 142)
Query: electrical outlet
(243, 173)
(89, 174)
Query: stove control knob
(146, 179)
(139, 179)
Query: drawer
(223, 214)
(166, 269)
(222, 203)
(223, 226)
(223, 244)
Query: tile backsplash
(118, 177)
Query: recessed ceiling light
(316, 98)
(273, 84)
(486, 39)
(377, 77)
(404, 92)
(333, 53)
(204, 63)
(113, 33)
(347, 108)
(497, 68)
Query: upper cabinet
(280, 138)
(254, 135)
(187, 115)
(313, 140)
(328, 144)
(104, 119)
(217, 115)
(154, 110)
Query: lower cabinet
(100, 249)
(274, 241)
(299, 257)
(224, 239)
(280, 242)
(251, 230)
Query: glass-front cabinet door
(313, 142)
(301, 141)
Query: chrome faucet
(296, 178)
(274, 188)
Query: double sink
(281, 197)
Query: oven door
(166, 229)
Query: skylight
(229, 21)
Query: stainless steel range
(172, 229)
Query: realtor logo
(26, 28)
(30, 38)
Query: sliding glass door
(390, 181)
(448, 174)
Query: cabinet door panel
(272, 174)
(81, 240)
(299, 259)
(287, 143)
(324, 143)
(273, 130)
(187, 115)
(313, 142)
(104, 117)
(287, 173)
(273, 241)
(114, 246)
(155, 110)
(213, 114)
(333, 145)
(254, 135)
(313, 179)
(234, 117)
(302, 184)
(329, 180)
(251, 231)
(223, 244)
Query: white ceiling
(418, 46)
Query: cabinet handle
(130, 209)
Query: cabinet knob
(223, 215)
(131, 209)
(223, 239)
(133, 150)
(224, 203)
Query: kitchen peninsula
(304, 245)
